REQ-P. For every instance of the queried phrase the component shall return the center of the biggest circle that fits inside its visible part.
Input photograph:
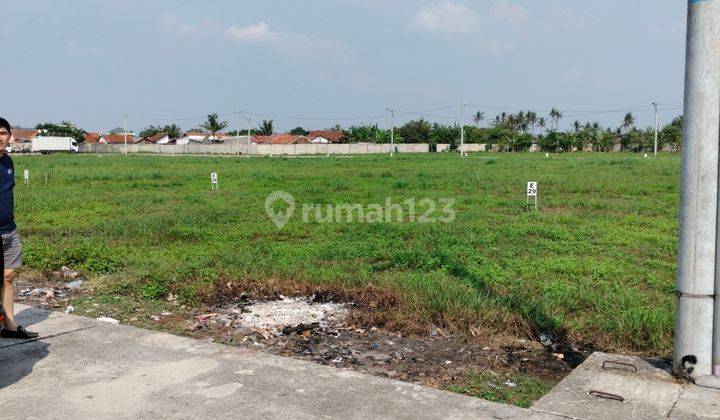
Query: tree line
(506, 131)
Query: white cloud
(171, 24)
(447, 17)
(505, 11)
(260, 32)
(287, 43)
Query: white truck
(46, 145)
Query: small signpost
(532, 191)
(26, 177)
(214, 181)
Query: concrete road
(83, 368)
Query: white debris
(70, 309)
(290, 312)
(108, 320)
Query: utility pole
(655, 106)
(392, 131)
(462, 129)
(237, 131)
(247, 149)
(125, 132)
(697, 320)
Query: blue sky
(323, 60)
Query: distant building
(92, 137)
(326, 136)
(117, 138)
(159, 138)
(281, 139)
(22, 135)
(202, 137)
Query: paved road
(83, 368)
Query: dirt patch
(326, 332)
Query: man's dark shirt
(7, 201)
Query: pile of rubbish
(274, 318)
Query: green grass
(596, 262)
(497, 388)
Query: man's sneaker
(20, 333)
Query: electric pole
(125, 132)
(697, 319)
(392, 131)
(655, 106)
(462, 128)
(247, 149)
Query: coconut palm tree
(478, 117)
(266, 128)
(213, 125)
(628, 122)
(555, 116)
(532, 120)
(576, 126)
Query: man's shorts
(12, 249)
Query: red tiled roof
(117, 138)
(334, 136)
(92, 137)
(19, 134)
(281, 139)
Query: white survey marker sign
(214, 181)
(532, 189)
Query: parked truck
(46, 145)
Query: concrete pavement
(83, 368)
(610, 386)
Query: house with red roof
(281, 139)
(117, 138)
(92, 137)
(326, 136)
(21, 135)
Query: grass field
(595, 264)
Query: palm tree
(173, 130)
(266, 128)
(555, 116)
(542, 123)
(628, 121)
(213, 125)
(532, 120)
(479, 116)
(576, 125)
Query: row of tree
(509, 132)
(517, 132)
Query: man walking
(11, 245)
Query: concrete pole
(392, 131)
(462, 129)
(249, 128)
(125, 131)
(655, 105)
(696, 274)
(237, 132)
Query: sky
(317, 63)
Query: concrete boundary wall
(255, 149)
